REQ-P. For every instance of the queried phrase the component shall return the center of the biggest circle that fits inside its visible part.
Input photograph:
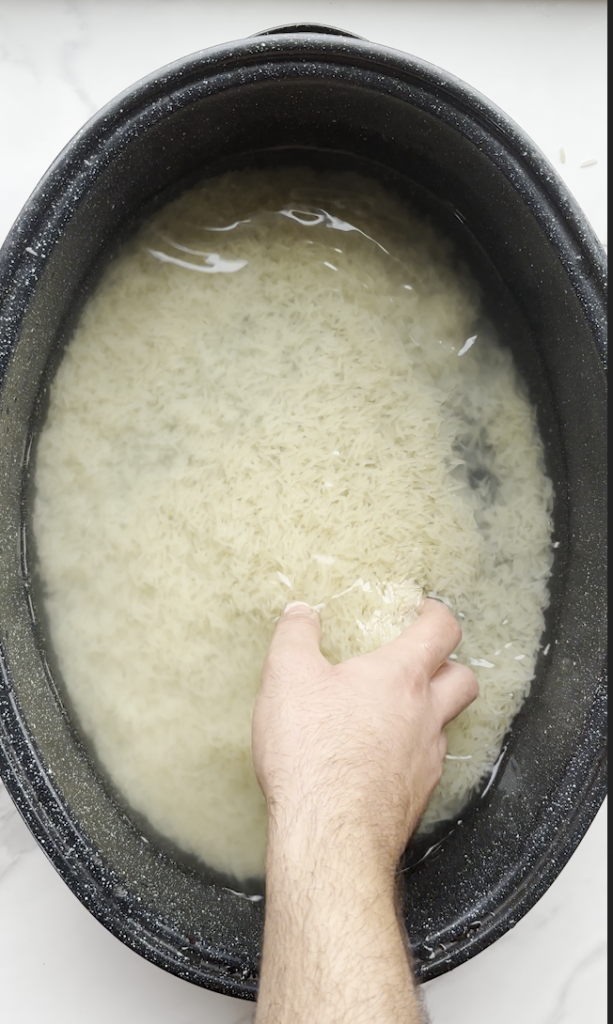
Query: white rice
(255, 410)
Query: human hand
(350, 753)
(347, 756)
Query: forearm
(334, 949)
(347, 756)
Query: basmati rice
(289, 423)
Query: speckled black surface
(544, 272)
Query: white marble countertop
(544, 63)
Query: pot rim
(49, 207)
(556, 209)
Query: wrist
(331, 910)
(328, 856)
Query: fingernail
(298, 607)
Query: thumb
(298, 629)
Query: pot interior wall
(501, 857)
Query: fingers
(453, 688)
(298, 629)
(429, 640)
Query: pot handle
(299, 27)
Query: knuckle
(468, 680)
(448, 624)
(434, 650)
(432, 646)
(473, 684)
(454, 630)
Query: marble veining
(15, 840)
(563, 1005)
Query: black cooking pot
(310, 94)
